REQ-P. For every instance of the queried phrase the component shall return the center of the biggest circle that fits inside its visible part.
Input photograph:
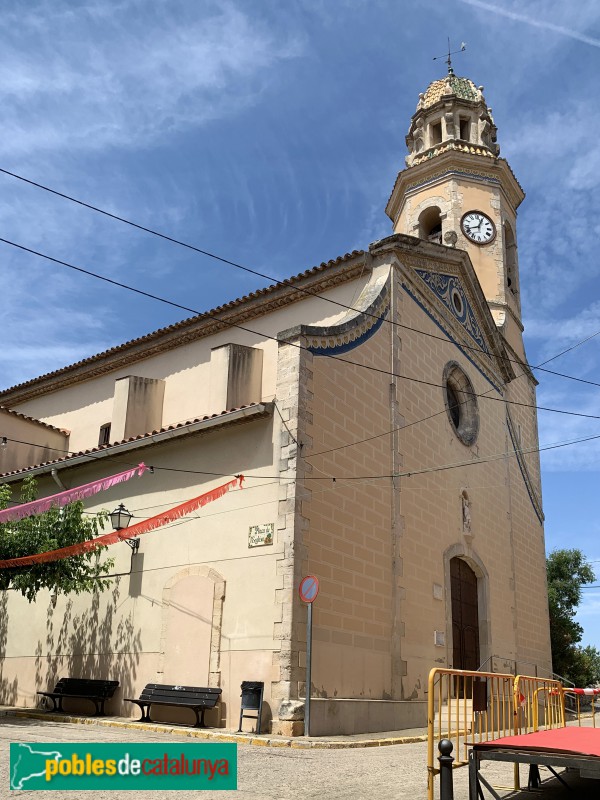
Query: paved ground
(280, 773)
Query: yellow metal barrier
(578, 697)
(539, 702)
(468, 707)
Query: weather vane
(463, 47)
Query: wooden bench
(82, 688)
(197, 698)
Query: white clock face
(478, 227)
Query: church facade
(382, 412)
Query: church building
(382, 413)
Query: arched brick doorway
(465, 616)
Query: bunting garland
(127, 533)
(69, 496)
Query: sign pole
(308, 590)
(308, 689)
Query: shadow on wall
(8, 690)
(90, 645)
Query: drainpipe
(57, 480)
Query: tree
(567, 572)
(58, 527)
(585, 670)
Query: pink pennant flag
(129, 533)
(69, 496)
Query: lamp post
(120, 518)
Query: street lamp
(120, 518)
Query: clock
(478, 227)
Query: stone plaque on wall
(261, 535)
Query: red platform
(576, 748)
(579, 741)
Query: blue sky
(271, 134)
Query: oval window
(461, 403)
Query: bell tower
(458, 192)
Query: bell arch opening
(510, 259)
(430, 224)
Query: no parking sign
(308, 590)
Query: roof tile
(104, 447)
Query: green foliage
(56, 528)
(585, 666)
(567, 572)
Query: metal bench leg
(145, 709)
(200, 722)
(259, 718)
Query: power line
(286, 282)
(379, 435)
(228, 323)
(438, 413)
(237, 265)
(407, 474)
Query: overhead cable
(228, 323)
(287, 282)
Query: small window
(465, 125)
(457, 301)
(436, 133)
(104, 437)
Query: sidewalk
(379, 739)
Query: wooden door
(465, 616)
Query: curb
(229, 736)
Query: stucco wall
(135, 631)
(186, 370)
(28, 441)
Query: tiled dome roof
(463, 88)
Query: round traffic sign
(309, 589)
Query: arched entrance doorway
(465, 616)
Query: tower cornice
(454, 160)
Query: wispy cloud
(557, 334)
(554, 427)
(557, 227)
(89, 92)
(590, 605)
(118, 76)
(534, 22)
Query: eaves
(240, 415)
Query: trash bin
(252, 700)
